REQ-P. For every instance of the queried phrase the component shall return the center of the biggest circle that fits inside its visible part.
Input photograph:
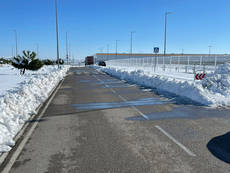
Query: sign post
(156, 51)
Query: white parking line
(143, 115)
(136, 109)
(122, 98)
(175, 141)
(113, 90)
(158, 127)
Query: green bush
(61, 61)
(48, 62)
(27, 61)
(35, 65)
(4, 61)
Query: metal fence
(186, 64)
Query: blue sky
(93, 24)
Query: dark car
(101, 63)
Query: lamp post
(12, 51)
(67, 55)
(165, 35)
(209, 50)
(131, 43)
(116, 48)
(131, 46)
(37, 46)
(57, 32)
(16, 42)
(107, 52)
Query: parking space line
(143, 115)
(122, 98)
(175, 141)
(135, 108)
(113, 90)
(189, 152)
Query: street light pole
(16, 42)
(67, 56)
(131, 43)
(116, 47)
(57, 32)
(12, 51)
(37, 45)
(107, 52)
(209, 51)
(165, 35)
(131, 46)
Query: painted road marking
(136, 109)
(158, 127)
(122, 98)
(143, 115)
(113, 90)
(175, 141)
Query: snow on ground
(21, 95)
(8, 74)
(213, 91)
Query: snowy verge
(17, 105)
(214, 91)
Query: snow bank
(218, 83)
(19, 103)
(213, 91)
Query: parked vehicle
(89, 60)
(101, 63)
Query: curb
(26, 131)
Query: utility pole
(67, 56)
(57, 32)
(165, 35)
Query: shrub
(61, 61)
(35, 65)
(48, 62)
(27, 61)
(4, 61)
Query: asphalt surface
(99, 124)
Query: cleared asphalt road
(97, 124)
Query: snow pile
(214, 91)
(9, 78)
(218, 83)
(20, 102)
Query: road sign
(200, 76)
(156, 49)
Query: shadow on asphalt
(36, 120)
(220, 147)
(79, 113)
(111, 105)
(178, 100)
